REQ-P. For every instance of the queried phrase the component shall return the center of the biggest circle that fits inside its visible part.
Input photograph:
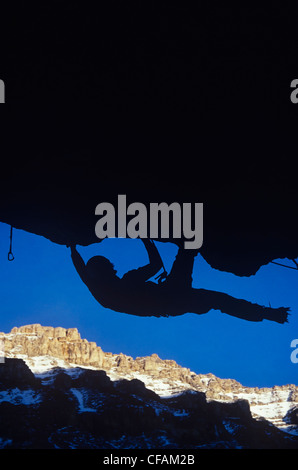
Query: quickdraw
(10, 253)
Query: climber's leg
(202, 301)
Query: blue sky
(42, 286)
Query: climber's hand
(72, 246)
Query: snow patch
(81, 400)
(20, 397)
(271, 404)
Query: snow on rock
(20, 397)
(46, 349)
(81, 400)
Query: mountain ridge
(43, 348)
(81, 408)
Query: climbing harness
(10, 253)
(285, 266)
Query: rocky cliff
(36, 340)
(44, 348)
(79, 408)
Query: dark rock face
(227, 72)
(240, 211)
(15, 373)
(84, 409)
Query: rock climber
(137, 294)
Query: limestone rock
(36, 340)
(66, 343)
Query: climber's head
(100, 268)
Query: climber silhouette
(135, 294)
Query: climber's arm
(144, 273)
(79, 263)
(154, 256)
